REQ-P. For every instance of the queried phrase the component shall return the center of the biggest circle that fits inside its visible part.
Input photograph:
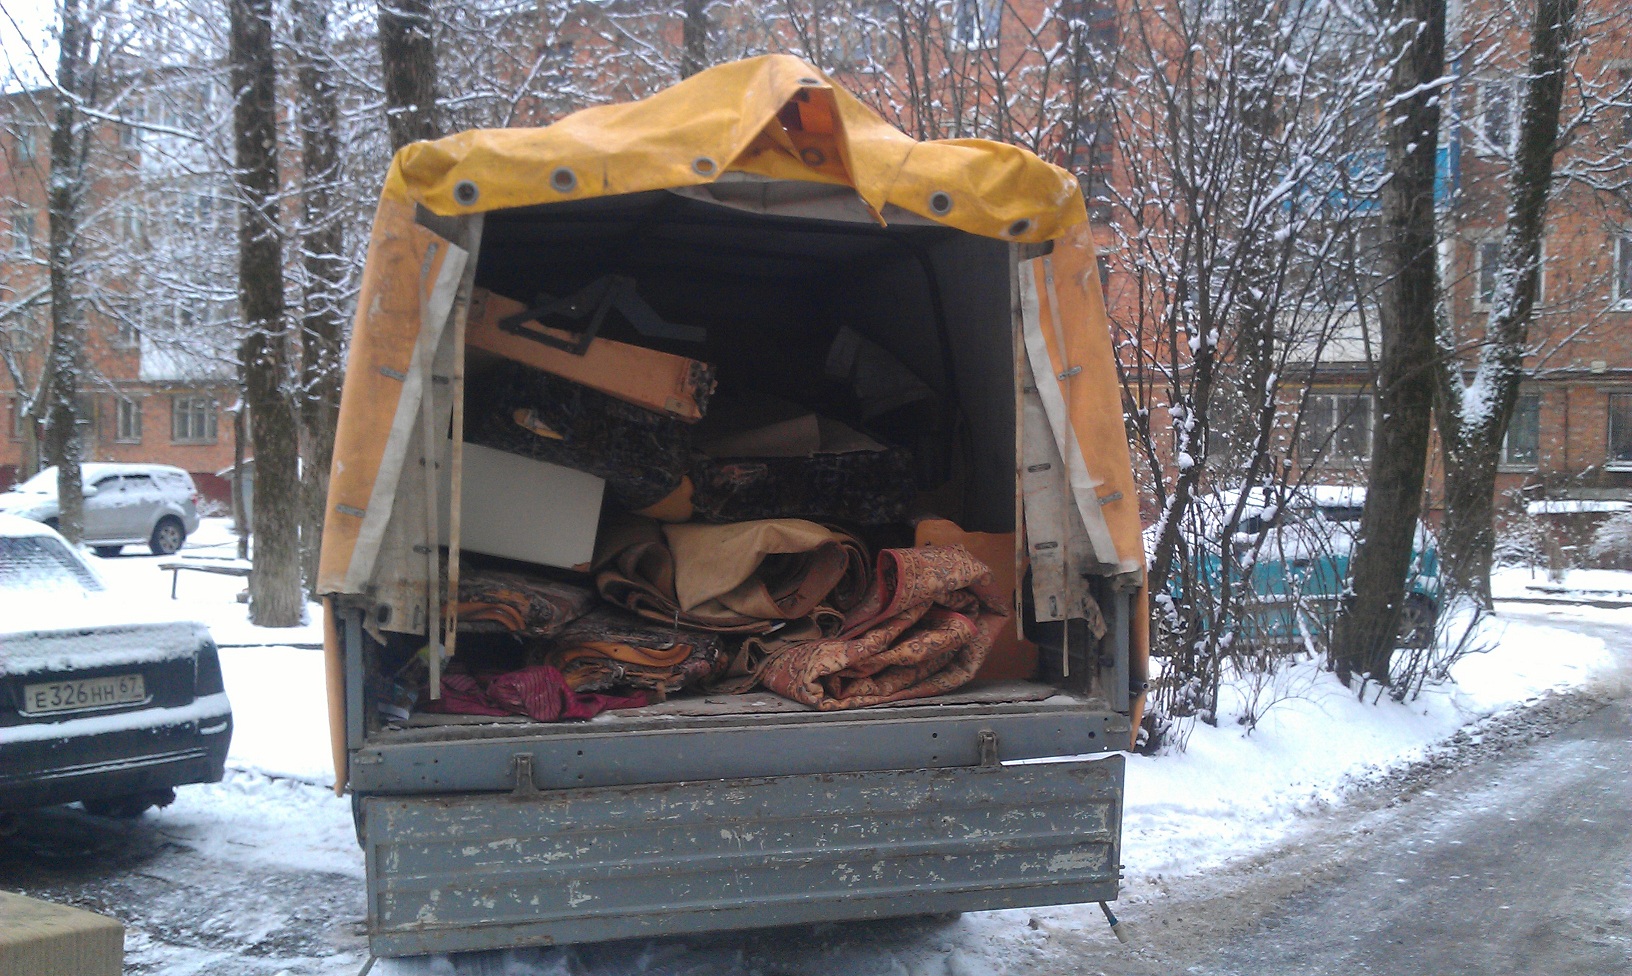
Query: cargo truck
(755, 218)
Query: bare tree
(1415, 50)
(408, 62)
(1474, 415)
(323, 265)
(275, 593)
(66, 362)
(694, 41)
(1235, 218)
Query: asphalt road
(183, 911)
(1522, 864)
(1513, 856)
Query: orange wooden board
(647, 378)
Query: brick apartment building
(144, 398)
(1570, 439)
(1571, 434)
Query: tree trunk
(240, 439)
(275, 595)
(321, 242)
(65, 360)
(1363, 640)
(408, 59)
(694, 37)
(1474, 419)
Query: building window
(1337, 427)
(1621, 285)
(25, 144)
(1496, 115)
(1620, 431)
(17, 418)
(128, 422)
(975, 22)
(1521, 448)
(22, 233)
(1489, 259)
(192, 419)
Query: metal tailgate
(474, 871)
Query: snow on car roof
(17, 527)
(1337, 496)
(92, 470)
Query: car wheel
(168, 536)
(131, 806)
(108, 552)
(1417, 620)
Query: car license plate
(65, 696)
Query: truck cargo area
(768, 277)
(722, 803)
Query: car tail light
(207, 680)
(193, 498)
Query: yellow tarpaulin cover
(772, 116)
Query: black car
(100, 700)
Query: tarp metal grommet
(563, 179)
(940, 203)
(465, 193)
(704, 166)
(1019, 227)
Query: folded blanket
(527, 606)
(540, 693)
(743, 578)
(609, 647)
(924, 629)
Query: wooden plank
(42, 939)
(644, 377)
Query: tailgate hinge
(986, 744)
(522, 765)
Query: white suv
(125, 504)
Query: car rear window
(40, 563)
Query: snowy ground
(279, 788)
(1233, 792)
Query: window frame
(127, 409)
(1610, 462)
(1325, 452)
(982, 30)
(1504, 461)
(209, 419)
(22, 233)
(1480, 299)
(1487, 145)
(1620, 272)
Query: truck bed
(727, 736)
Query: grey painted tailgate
(454, 872)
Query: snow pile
(1233, 792)
(1518, 582)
